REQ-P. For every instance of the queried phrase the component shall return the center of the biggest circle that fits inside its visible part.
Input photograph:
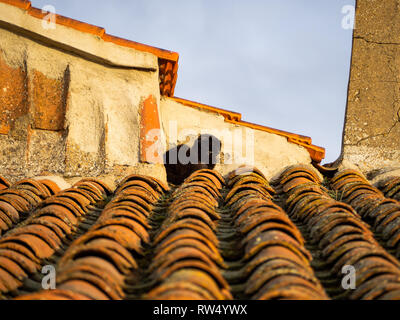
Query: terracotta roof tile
(4, 184)
(188, 235)
(97, 264)
(341, 236)
(275, 263)
(390, 187)
(383, 214)
(23, 4)
(208, 239)
(40, 236)
(19, 200)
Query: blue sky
(284, 64)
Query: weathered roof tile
(209, 239)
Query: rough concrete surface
(372, 124)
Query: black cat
(180, 162)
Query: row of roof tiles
(24, 248)
(342, 238)
(276, 264)
(186, 262)
(17, 201)
(97, 264)
(291, 240)
(380, 212)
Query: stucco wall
(71, 105)
(84, 41)
(268, 152)
(74, 117)
(372, 123)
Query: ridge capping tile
(228, 115)
(68, 22)
(23, 4)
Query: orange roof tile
(23, 4)
(205, 239)
(228, 115)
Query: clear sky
(281, 63)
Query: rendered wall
(240, 145)
(66, 115)
(372, 125)
(73, 105)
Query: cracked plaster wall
(371, 137)
(63, 115)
